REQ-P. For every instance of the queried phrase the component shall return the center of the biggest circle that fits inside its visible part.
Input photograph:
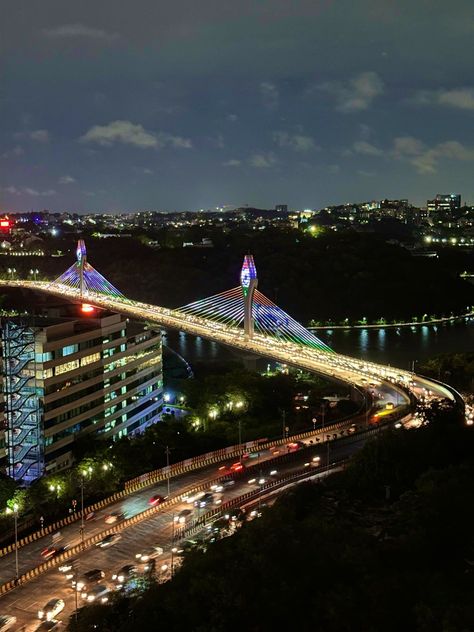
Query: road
(29, 555)
(25, 601)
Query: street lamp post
(84, 473)
(15, 516)
(34, 272)
(167, 451)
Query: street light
(84, 473)
(15, 516)
(34, 272)
(167, 452)
(11, 272)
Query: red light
(4, 223)
(87, 309)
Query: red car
(156, 500)
(51, 551)
(237, 467)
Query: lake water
(398, 347)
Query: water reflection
(398, 347)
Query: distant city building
(281, 208)
(64, 378)
(444, 202)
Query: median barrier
(151, 478)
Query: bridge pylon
(81, 254)
(248, 282)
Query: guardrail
(148, 513)
(162, 474)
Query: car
(99, 593)
(295, 445)
(126, 572)
(237, 467)
(46, 626)
(51, 609)
(114, 517)
(67, 569)
(191, 498)
(6, 622)
(52, 551)
(91, 577)
(182, 516)
(149, 554)
(157, 499)
(205, 499)
(110, 539)
(228, 483)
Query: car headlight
(40, 614)
(90, 598)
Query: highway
(25, 600)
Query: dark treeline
(333, 276)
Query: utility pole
(283, 422)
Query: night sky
(109, 105)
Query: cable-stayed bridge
(241, 317)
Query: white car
(98, 593)
(149, 554)
(51, 609)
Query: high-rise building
(444, 202)
(65, 378)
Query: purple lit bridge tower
(243, 307)
(248, 283)
(246, 306)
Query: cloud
(366, 148)
(232, 163)
(15, 152)
(28, 191)
(40, 135)
(366, 174)
(357, 93)
(34, 192)
(270, 95)
(262, 161)
(461, 98)
(296, 142)
(66, 180)
(426, 159)
(232, 118)
(65, 31)
(334, 168)
(147, 171)
(128, 133)
(407, 146)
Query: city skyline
(314, 104)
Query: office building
(444, 202)
(65, 378)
